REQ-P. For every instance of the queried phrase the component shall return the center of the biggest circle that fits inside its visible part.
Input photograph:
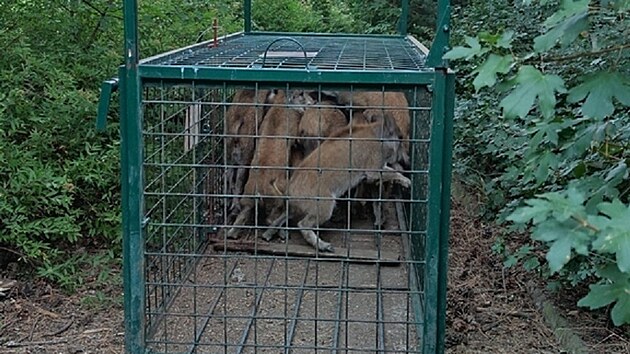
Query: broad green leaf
(599, 296)
(617, 289)
(614, 235)
(622, 5)
(473, 49)
(599, 90)
(559, 253)
(544, 163)
(612, 273)
(510, 261)
(531, 264)
(505, 41)
(566, 31)
(533, 85)
(538, 210)
(618, 172)
(566, 204)
(487, 72)
(549, 231)
(616, 210)
(563, 238)
(568, 8)
(551, 132)
(620, 313)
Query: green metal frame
(132, 179)
(440, 43)
(132, 75)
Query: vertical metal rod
(416, 227)
(446, 206)
(413, 297)
(195, 231)
(131, 151)
(208, 316)
(380, 339)
(442, 33)
(434, 215)
(404, 18)
(247, 15)
(259, 294)
(296, 312)
(335, 344)
(165, 265)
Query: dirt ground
(490, 309)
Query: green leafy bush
(59, 179)
(562, 144)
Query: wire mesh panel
(324, 52)
(283, 218)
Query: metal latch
(107, 88)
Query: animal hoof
(232, 233)
(284, 235)
(406, 182)
(268, 235)
(326, 247)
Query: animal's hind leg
(277, 221)
(312, 220)
(237, 188)
(241, 219)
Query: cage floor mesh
(322, 53)
(238, 303)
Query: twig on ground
(96, 330)
(504, 312)
(13, 344)
(61, 330)
(30, 336)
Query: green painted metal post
(247, 15)
(436, 190)
(132, 179)
(447, 154)
(440, 43)
(404, 18)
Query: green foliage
(615, 288)
(599, 89)
(59, 179)
(304, 16)
(559, 161)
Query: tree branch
(587, 54)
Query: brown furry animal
(319, 122)
(393, 102)
(278, 132)
(351, 156)
(243, 120)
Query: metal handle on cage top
(306, 65)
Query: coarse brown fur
(393, 102)
(319, 122)
(278, 132)
(243, 119)
(352, 155)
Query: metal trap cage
(286, 193)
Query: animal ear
(386, 127)
(313, 95)
(271, 95)
(391, 129)
(330, 94)
(373, 115)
